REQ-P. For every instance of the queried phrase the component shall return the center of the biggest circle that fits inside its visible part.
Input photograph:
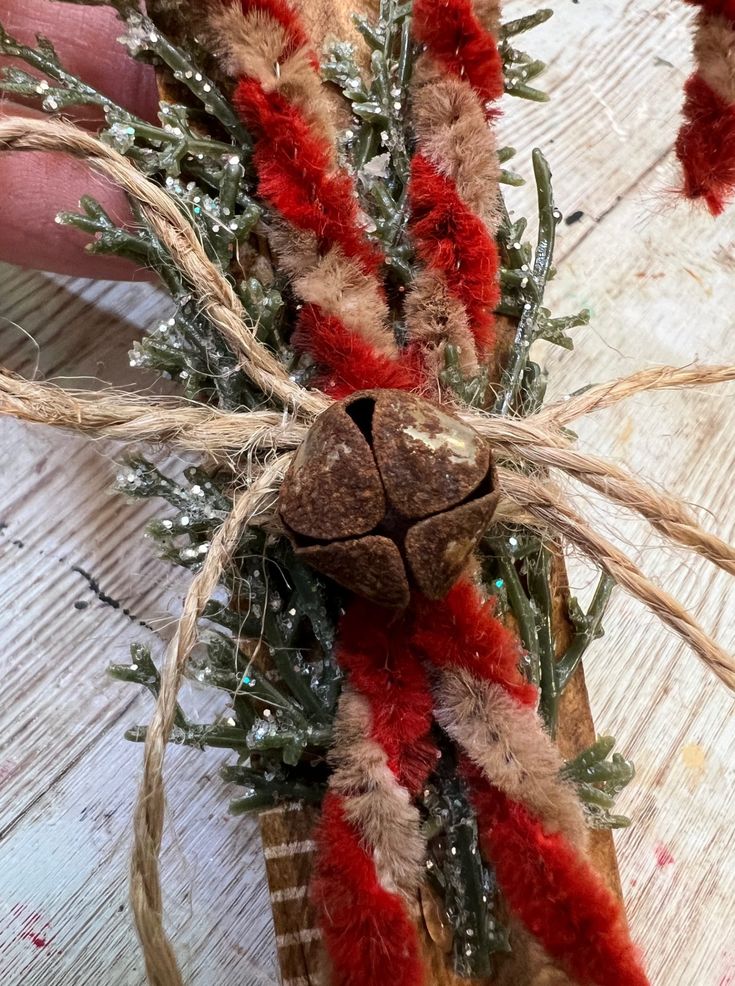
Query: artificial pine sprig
(456, 870)
(377, 144)
(587, 627)
(520, 68)
(163, 148)
(268, 638)
(598, 781)
(529, 282)
(517, 566)
(507, 177)
(257, 643)
(208, 177)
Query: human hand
(36, 186)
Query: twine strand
(130, 417)
(215, 293)
(197, 428)
(547, 503)
(539, 441)
(145, 878)
(604, 395)
(667, 514)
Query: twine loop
(258, 447)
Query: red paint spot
(663, 856)
(32, 930)
(38, 940)
(728, 979)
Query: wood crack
(108, 600)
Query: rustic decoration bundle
(390, 426)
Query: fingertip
(86, 41)
(42, 185)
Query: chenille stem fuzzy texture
(525, 812)
(369, 932)
(375, 798)
(706, 142)
(508, 743)
(457, 638)
(554, 891)
(454, 184)
(463, 634)
(370, 849)
(317, 234)
(388, 707)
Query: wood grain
(659, 282)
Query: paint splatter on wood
(664, 856)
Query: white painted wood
(67, 775)
(659, 283)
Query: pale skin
(37, 186)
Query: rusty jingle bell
(387, 492)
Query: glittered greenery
(517, 563)
(208, 178)
(267, 638)
(267, 642)
(457, 872)
(377, 145)
(599, 780)
(519, 68)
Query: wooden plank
(615, 75)
(656, 280)
(288, 846)
(64, 916)
(68, 777)
(656, 283)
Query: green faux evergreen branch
(534, 273)
(472, 391)
(378, 144)
(555, 329)
(520, 68)
(527, 23)
(587, 627)
(142, 671)
(214, 735)
(507, 177)
(598, 782)
(538, 577)
(267, 791)
(164, 148)
(456, 870)
(209, 180)
(267, 638)
(517, 569)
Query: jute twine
(258, 447)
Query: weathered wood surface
(659, 281)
